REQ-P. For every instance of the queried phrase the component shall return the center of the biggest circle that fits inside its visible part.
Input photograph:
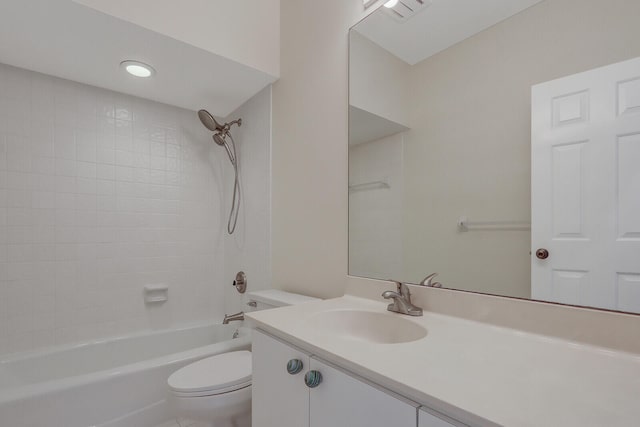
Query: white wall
(245, 31)
(375, 213)
(380, 80)
(309, 225)
(249, 248)
(102, 193)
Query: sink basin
(367, 326)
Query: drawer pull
(313, 379)
(294, 366)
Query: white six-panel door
(586, 188)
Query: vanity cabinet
(279, 399)
(427, 419)
(342, 400)
(283, 399)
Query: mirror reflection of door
(586, 188)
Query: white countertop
(475, 372)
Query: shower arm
(227, 126)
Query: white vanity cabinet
(428, 419)
(281, 399)
(344, 401)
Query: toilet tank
(272, 298)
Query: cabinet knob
(313, 379)
(294, 366)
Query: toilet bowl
(215, 390)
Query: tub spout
(233, 317)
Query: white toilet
(217, 390)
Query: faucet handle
(428, 281)
(402, 287)
(397, 283)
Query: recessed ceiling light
(391, 3)
(137, 68)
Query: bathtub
(119, 382)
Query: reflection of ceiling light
(137, 68)
(404, 10)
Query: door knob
(294, 366)
(542, 253)
(313, 379)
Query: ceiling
(246, 31)
(437, 27)
(65, 39)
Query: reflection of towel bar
(374, 185)
(465, 225)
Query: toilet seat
(219, 374)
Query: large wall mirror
(497, 143)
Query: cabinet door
(279, 399)
(341, 400)
(429, 419)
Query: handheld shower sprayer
(220, 140)
(221, 131)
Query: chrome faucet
(428, 281)
(233, 317)
(401, 300)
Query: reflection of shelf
(365, 126)
(373, 185)
(465, 225)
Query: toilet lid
(216, 374)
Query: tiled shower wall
(249, 248)
(101, 194)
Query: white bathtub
(120, 382)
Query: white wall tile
(249, 248)
(105, 193)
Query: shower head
(219, 138)
(212, 124)
(209, 121)
(221, 131)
